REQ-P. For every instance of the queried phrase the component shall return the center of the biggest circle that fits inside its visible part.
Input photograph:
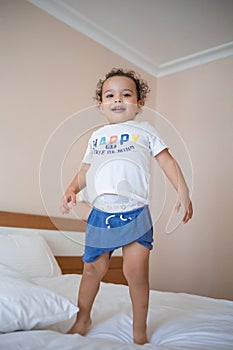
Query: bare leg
(89, 286)
(136, 270)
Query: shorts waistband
(114, 203)
(116, 207)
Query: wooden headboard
(68, 264)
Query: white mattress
(175, 321)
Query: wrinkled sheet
(176, 321)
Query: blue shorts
(99, 220)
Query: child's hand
(69, 198)
(184, 202)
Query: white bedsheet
(176, 321)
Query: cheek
(133, 106)
(104, 108)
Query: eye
(127, 93)
(109, 95)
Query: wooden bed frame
(68, 264)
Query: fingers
(186, 218)
(66, 201)
(64, 207)
(188, 213)
(72, 198)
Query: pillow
(25, 305)
(29, 254)
(67, 286)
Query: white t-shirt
(120, 155)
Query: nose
(118, 99)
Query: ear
(100, 105)
(140, 105)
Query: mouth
(118, 109)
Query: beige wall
(198, 257)
(49, 71)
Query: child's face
(119, 99)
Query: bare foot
(80, 326)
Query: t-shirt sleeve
(88, 154)
(156, 143)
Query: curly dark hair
(141, 85)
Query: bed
(38, 294)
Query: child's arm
(173, 172)
(78, 183)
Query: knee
(95, 272)
(135, 275)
